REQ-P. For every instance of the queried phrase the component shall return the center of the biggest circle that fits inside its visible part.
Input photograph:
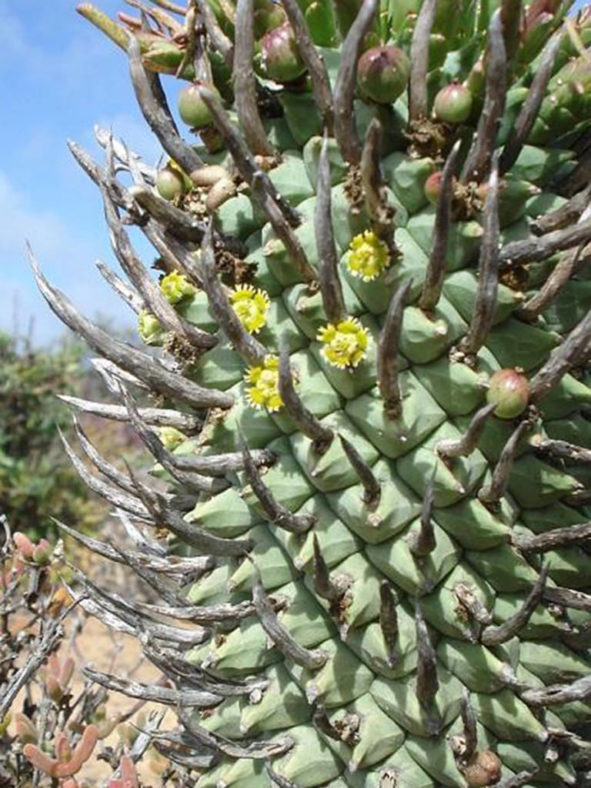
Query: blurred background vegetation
(37, 481)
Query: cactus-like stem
(495, 635)
(437, 265)
(308, 659)
(328, 271)
(181, 224)
(314, 62)
(531, 106)
(488, 270)
(388, 352)
(570, 263)
(381, 214)
(201, 614)
(562, 451)
(126, 356)
(245, 83)
(579, 690)
(191, 479)
(568, 213)
(244, 160)
(571, 352)
(469, 724)
(371, 486)
(277, 779)
(152, 103)
(159, 417)
(167, 696)
(282, 228)
(464, 446)
(275, 512)
(389, 620)
(480, 154)
(256, 750)
(216, 35)
(127, 293)
(158, 564)
(344, 93)
(105, 24)
(113, 495)
(550, 540)
(306, 422)
(169, 662)
(423, 541)
(323, 584)
(491, 494)
(106, 468)
(534, 249)
(203, 542)
(427, 685)
(148, 289)
(419, 61)
(249, 348)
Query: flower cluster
(263, 391)
(344, 344)
(251, 305)
(176, 287)
(149, 328)
(368, 256)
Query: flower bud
(453, 103)
(509, 391)
(281, 55)
(382, 73)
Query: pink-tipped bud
(509, 391)
(26, 732)
(433, 186)
(24, 545)
(281, 56)
(382, 73)
(192, 109)
(42, 553)
(453, 103)
(169, 184)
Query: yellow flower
(251, 306)
(345, 344)
(264, 385)
(176, 286)
(367, 256)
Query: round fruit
(281, 55)
(169, 184)
(192, 109)
(453, 103)
(382, 73)
(509, 391)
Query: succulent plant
(386, 575)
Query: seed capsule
(169, 184)
(192, 108)
(509, 391)
(281, 55)
(453, 103)
(483, 769)
(382, 73)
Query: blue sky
(58, 76)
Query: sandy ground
(118, 654)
